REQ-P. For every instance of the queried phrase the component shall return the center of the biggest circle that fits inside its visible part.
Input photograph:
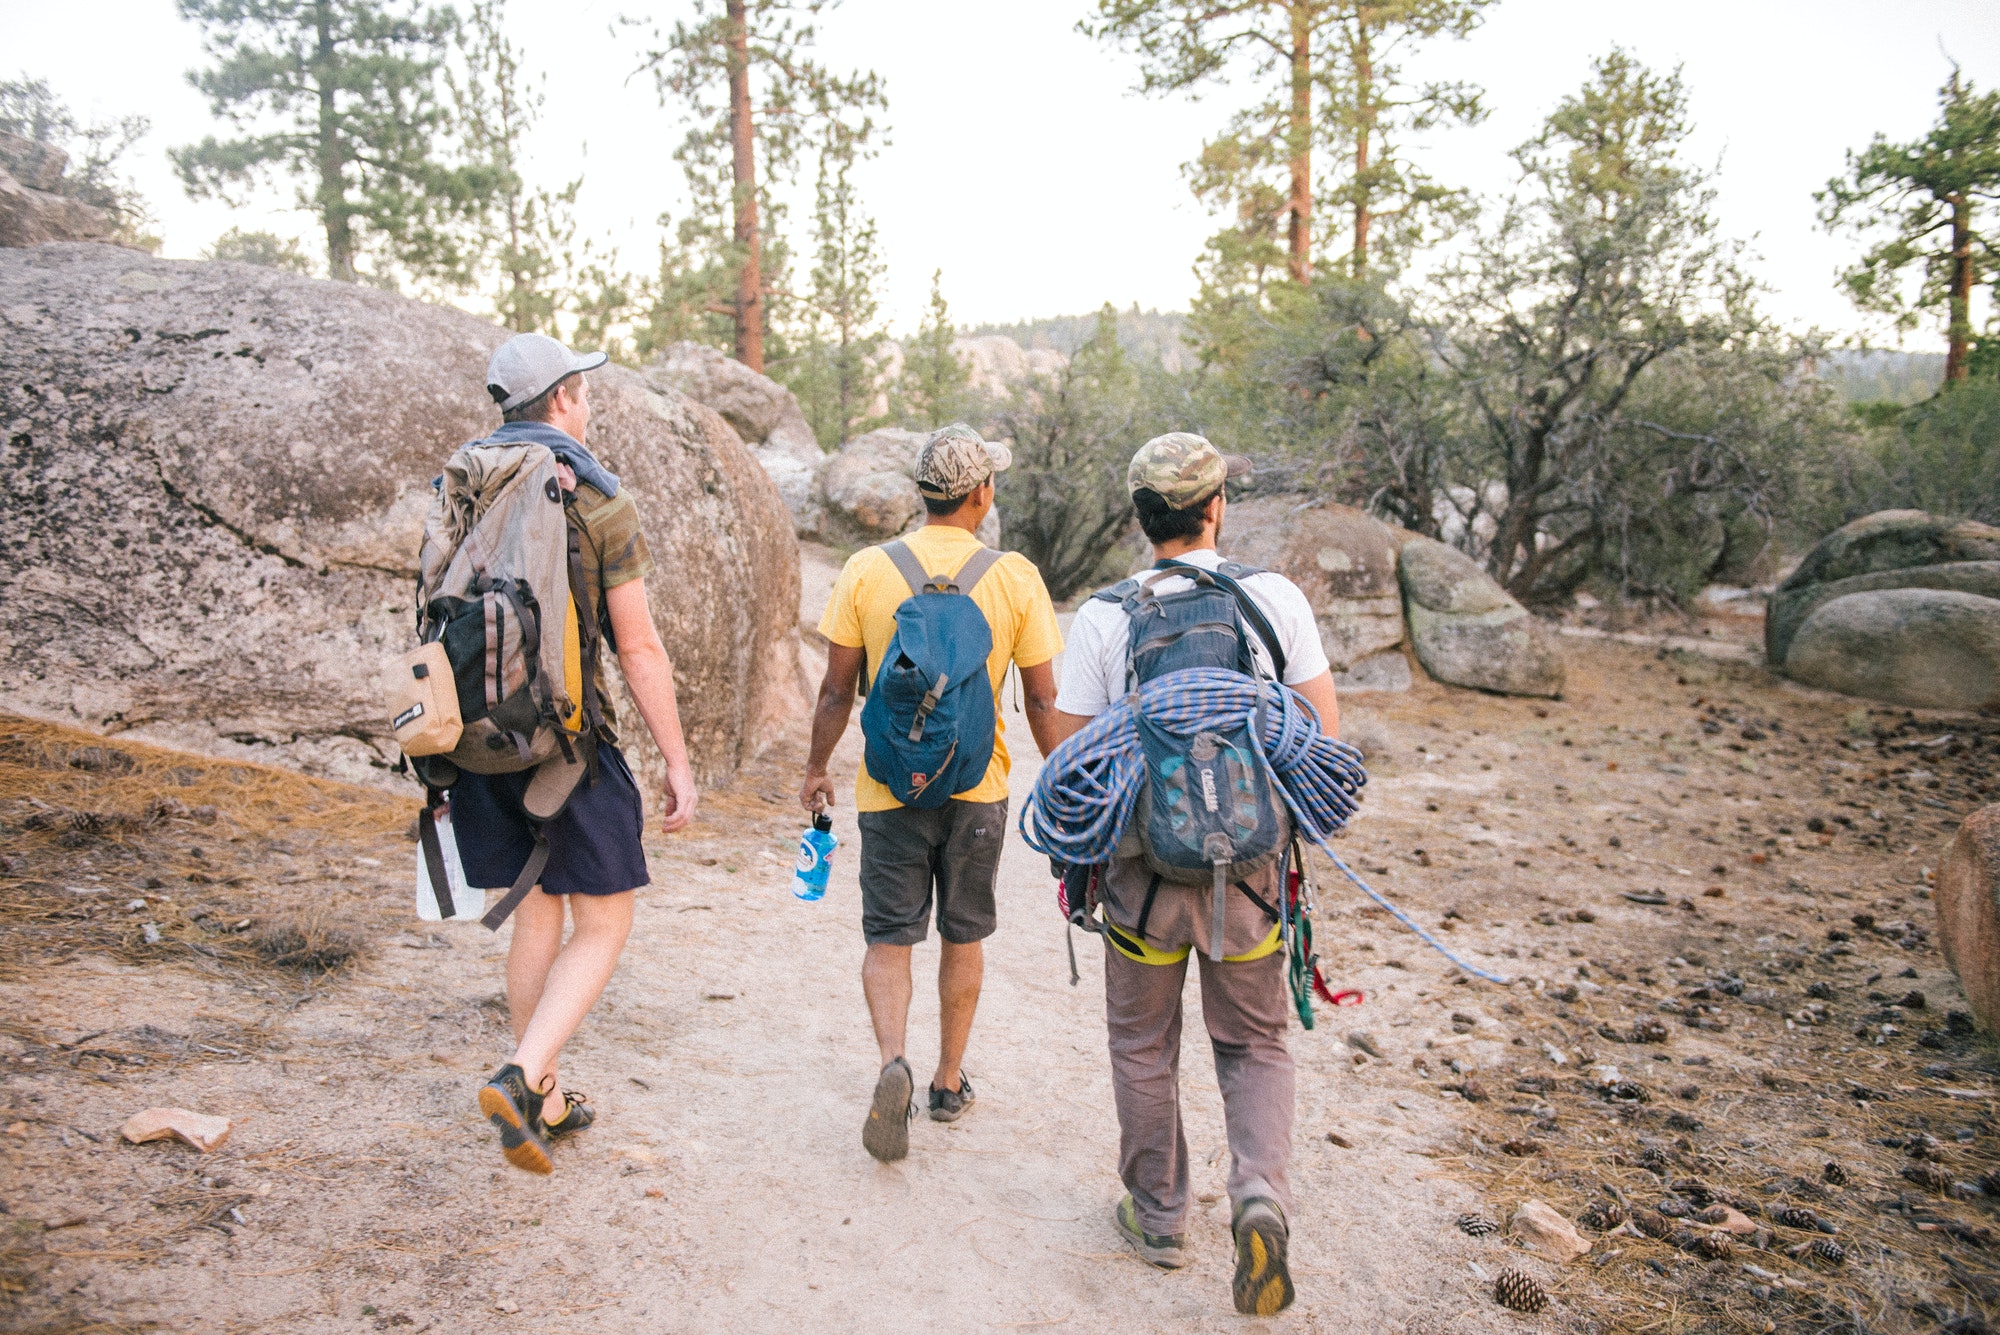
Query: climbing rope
(1084, 798)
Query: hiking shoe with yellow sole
(886, 1133)
(517, 1111)
(1263, 1286)
(1168, 1251)
(577, 1114)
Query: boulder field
(1900, 606)
(1375, 588)
(218, 477)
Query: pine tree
(519, 236)
(935, 387)
(1345, 54)
(751, 95)
(835, 372)
(1926, 196)
(341, 96)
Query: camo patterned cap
(955, 459)
(1183, 468)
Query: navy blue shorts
(594, 845)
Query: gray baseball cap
(526, 366)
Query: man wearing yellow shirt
(949, 854)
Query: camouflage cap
(1183, 469)
(955, 459)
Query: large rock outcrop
(218, 476)
(867, 493)
(1930, 648)
(1968, 912)
(762, 412)
(1344, 560)
(1467, 631)
(1891, 549)
(1900, 606)
(32, 207)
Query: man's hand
(830, 714)
(817, 793)
(681, 799)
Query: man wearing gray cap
(595, 858)
(1152, 926)
(947, 853)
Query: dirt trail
(725, 1189)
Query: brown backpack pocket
(422, 696)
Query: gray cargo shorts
(907, 853)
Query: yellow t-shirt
(862, 615)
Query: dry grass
(151, 856)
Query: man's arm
(1062, 727)
(649, 675)
(1319, 694)
(830, 715)
(1038, 687)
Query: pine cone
(1476, 1225)
(1673, 1207)
(1649, 1030)
(1519, 1292)
(1990, 1183)
(1602, 1215)
(1834, 1173)
(1693, 1188)
(1714, 1246)
(1652, 1223)
(1521, 1149)
(1826, 1249)
(1797, 1216)
(1929, 1176)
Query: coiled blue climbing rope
(1084, 798)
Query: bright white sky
(1024, 168)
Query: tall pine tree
(342, 97)
(1924, 199)
(752, 94)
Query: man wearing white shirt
(1177, 484)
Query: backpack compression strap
(538, 858)
(1227, 576)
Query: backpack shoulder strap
(975, 568)
(1237, 570)
(907, 565)
(1117, 593)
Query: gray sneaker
(886, 1133)
(1167, 1251)
(948, 1105)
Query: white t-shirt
(1094, 656)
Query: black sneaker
(1263, 1286)
(1168, 1251)
(948, 1105)
(517, 1110)
(577, 1114)
(886, 1133)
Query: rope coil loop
(1084, 797)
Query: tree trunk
(1299, 142)
(332, 196)
(749, 239)
(1960, 333)
(1364, 134)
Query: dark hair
(1162, 523)
(538, 408)
(938, 509)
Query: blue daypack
(1209, 813)
(929, 723)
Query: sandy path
(731, 1060)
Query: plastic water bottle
(815, 858)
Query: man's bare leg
(885, 981)
(568, 985)
(960, 972)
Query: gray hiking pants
(1245, 1007)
